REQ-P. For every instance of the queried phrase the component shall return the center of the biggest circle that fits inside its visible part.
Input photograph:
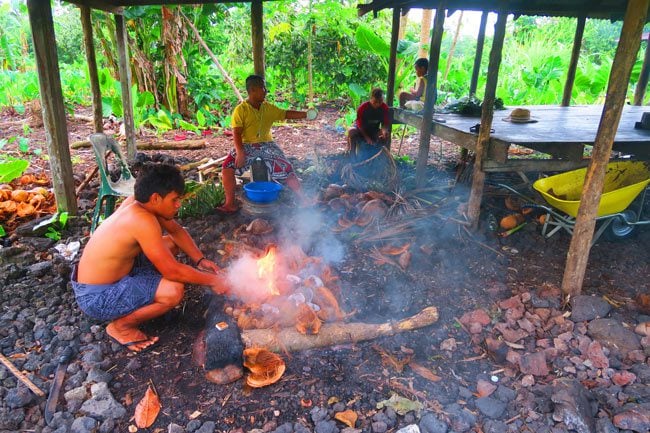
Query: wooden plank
(480, 42)
(430, 99)
(478, 178)
(626, 52)
(257, 36)
(107, 6)
(125, 81)
(49, 80)
(573, 63)
(642, 84)
(89, 45)
(525, 165)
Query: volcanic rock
(491, 407)
(534, 363)
(636, 418)
(430, 423)
(613, 335)
(586, 308)
(573, 406)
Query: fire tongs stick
(24, 379)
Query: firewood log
(331, 334)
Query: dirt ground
(450, 268)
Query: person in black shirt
(372, 124)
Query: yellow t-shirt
(424, 94)
(256, 124)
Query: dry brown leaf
(128, 399)
(395, 251)
(643, 302)
(424, 372)
(195, 414)
(484, 388)
(347, 417)
(404, 260)
(389, 360)
(147, 409)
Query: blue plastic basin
(262, 192)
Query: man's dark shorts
(111, 301)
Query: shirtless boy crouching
(128, 273)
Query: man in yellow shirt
(251, 127)
(417, 93)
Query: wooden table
(560, 132)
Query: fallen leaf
(332, 400)
(389, 360)
(128, 399)
(424, 372)
(195, 414)
(484, 388)
(147, 409)
(401, 405)
(347, 417)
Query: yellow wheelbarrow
(624, 182)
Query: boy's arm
(291, 114)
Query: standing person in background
(251, 126)
(419, 91)
(370, 115)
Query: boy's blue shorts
(112, 301)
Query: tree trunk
(450, 55)
(425, 30)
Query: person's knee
(170, 293)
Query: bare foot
(222, 376)
(132, 338)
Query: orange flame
(265, 271)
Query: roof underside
(604, 9)
(118, 5)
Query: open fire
(289, 289)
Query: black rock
(19, 397)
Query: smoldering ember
(370, 311)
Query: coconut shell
(19, 195)
(266, 367)
(511, 221)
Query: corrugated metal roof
(604, 9)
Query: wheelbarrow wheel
(619, 230)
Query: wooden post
(125, 81)
(54, 120)
(89, 44)
(480, 41)
(483, 143)
(642, 84)
(573, 64)
(392, 62)
(431, 94)
(628, 46)
(257, 34)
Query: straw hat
(520, 115)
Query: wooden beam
(257, 34)
(54, 120)
(125, 81)
(480, 42)
(642, 84)
(626, 52)
(483, 143)
(99, 4)
(392, 62)
(431, 92)
(89, 45)
(573, 64)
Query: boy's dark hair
(422, 63)
(377, 93)
(158, 178)
(254, 81)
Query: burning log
(334, 333)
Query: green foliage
(55, 225)
(161, 120)
(11, 168)
(3, 233)
(200, 199)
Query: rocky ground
(507, 353)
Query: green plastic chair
(103, 146)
